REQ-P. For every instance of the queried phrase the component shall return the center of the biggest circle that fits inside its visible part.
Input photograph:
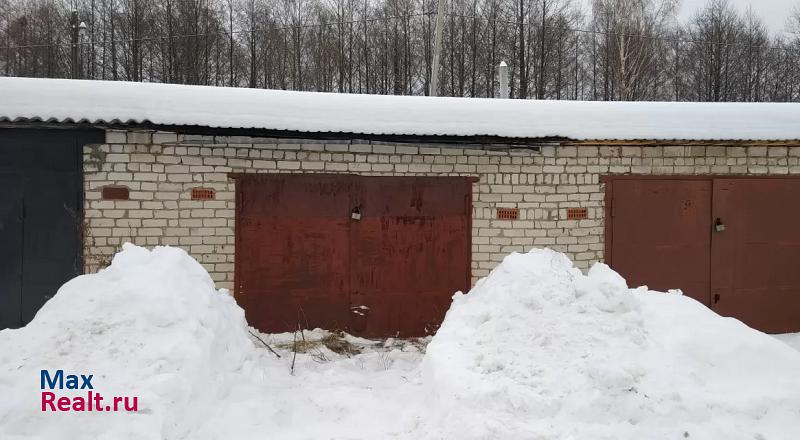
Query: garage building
(365, 213)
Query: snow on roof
(25, 99)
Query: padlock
(718, 225)
(356, 213)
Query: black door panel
(11, 234)
(41, 211)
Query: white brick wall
(162, 168)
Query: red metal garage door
(409, 252)
(660, 234)
(730, 243)
(755, 269)
(292, 251)
(377, 256)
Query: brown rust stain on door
(377, 256)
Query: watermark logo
(52, 400)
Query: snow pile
(792, 339)
(151, 325)
(538, 350)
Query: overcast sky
(773, 12)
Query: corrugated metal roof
(125, 103)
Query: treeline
(555, 49)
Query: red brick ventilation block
(577, 213)
(507, 213)
(202, 194)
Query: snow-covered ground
(537, 350)
(793, 339)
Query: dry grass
(334, 342)
(338, 344)
(300, 346)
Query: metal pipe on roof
(502, 72)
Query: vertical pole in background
(437, 48)
(502, 72)
(73, 22)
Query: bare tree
(636, 32)
(618, 50)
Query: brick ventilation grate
(202, 194)
(577, 213)
(507, 213)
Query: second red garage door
(731, 243)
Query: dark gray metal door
(11, 232)
(41, 200)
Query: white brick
(288, 165)
(116, 137)
(161, 137)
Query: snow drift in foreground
(152, 325)
(792, 339)
(537, 350)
